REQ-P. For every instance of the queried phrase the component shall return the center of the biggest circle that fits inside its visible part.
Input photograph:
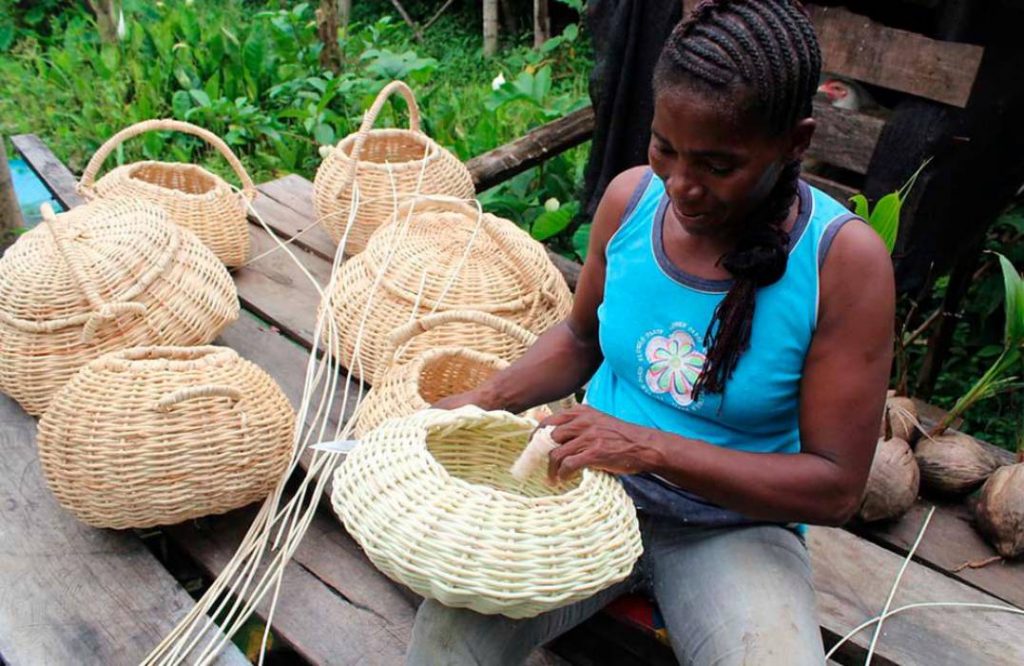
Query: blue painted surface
(31, 192)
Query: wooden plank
(852, 578)
(844, 138)
(538, 145)
(859, 48)
(73, 594)
(840, 192)
(57, 177)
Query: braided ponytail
(767, 47)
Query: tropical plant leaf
(181, 103)
(581, 241)
(885, 218)
(552, 222)
(1014, 285)
(860, 206)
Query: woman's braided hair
(766, 52)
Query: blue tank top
(653, 322)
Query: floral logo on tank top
(670, 364)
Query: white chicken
(846, 94)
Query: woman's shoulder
(621, 195)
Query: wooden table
(336, 608)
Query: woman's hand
(589, 438)
(471, 397)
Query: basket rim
(416, 365)
(220, 189)
(163, 357)
(343, 148)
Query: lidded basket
(194, 198)
(413, 382)
(435, 256)
(431, 500)
(157, 435)
(385, 166)
(102, 277)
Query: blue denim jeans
(729, 595)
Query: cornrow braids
(768, 50)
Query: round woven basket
(500, 271)
(411, 383)
(157, 435)
(194, 198)
(385, 165)
(104, 276)
(430, 499)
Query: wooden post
(10, 211)
(541, 23)
(108, 14)
(327, 31)
(344, 12)
(490, 27)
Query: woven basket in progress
(193, 197)
(430, 499)
(386, 165)
(498, 269)
(411, 383)
(102, 277)
(157, 435)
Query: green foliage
(884, 218)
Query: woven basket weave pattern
(193, 197)
(506, 273)
(385, 165)
(430, 499)
(117, 457)
(118, 256)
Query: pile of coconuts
(894, 480)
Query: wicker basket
(194, 198)
(430, 499)
(102, 277)
(412, 383)
(157, 435)
(503, 272)
(386, 165)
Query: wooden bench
(336, 608)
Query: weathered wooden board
(70, 593)
(57, 177)
(859, 48)
(844, 138)
(852, 578)
(830, 187)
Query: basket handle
(104, 312)
(370, 119)
(403, 334)
(86, 187)
(192, 392)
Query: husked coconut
(953, 463)
(999, 512)
(902, 414)
(892, 483)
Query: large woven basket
(99, 278)
(500, 270)
(414, 382)
(430, 499)
(194, 198)
(157, 435)
(385, 165)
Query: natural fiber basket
(194, 198)
(102, 277)
(430, 499)
(414, 382)
(500, 270)
(385, 165)
(157, 435)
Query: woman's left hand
(590, 438)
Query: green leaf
(324, 134)
(860, 206)
(180, 103)
(200, 97)
(550, 223)
(581, 241)
(885, 218)
(1014, 285)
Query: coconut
(954, 463)
(892, 483)
(902, 413)
(999, 511)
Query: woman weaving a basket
(736, 336)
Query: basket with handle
(157, 435)
(102, 277)
(439, 255)
(193, 197)
(385, 165)
(431, 500)
(410, 383)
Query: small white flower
(325, 151)
(552, 204)
(122, 29)
(498, 81)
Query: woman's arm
(842, 395)
(568, 354)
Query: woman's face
(717, 164)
